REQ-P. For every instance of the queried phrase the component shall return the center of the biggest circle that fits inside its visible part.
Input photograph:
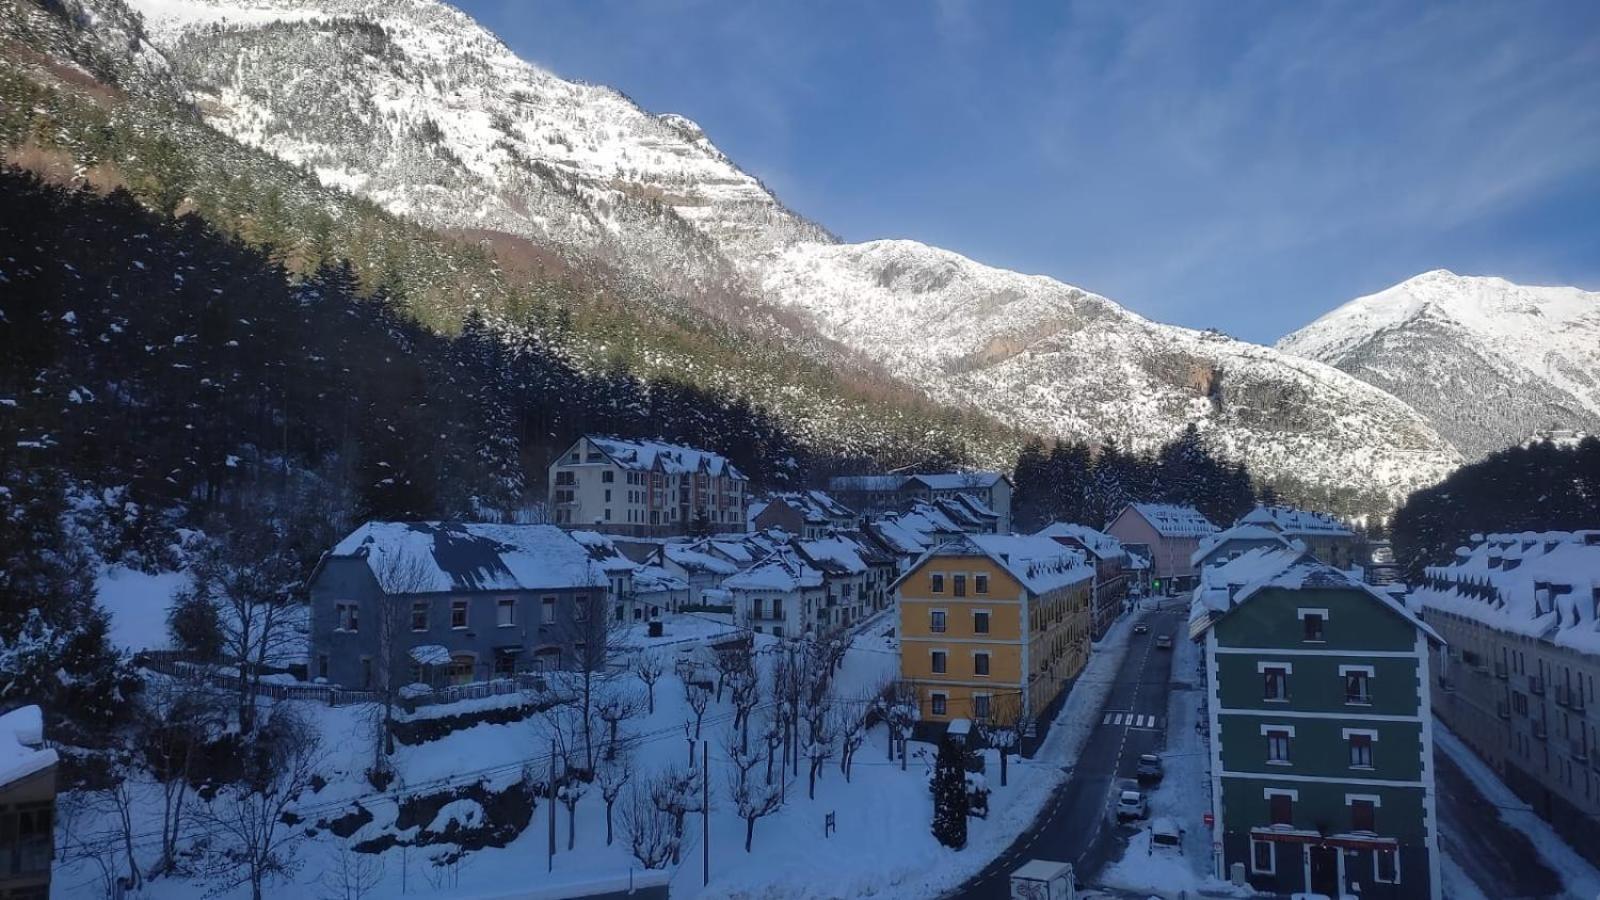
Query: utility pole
(550, 859)
(705, 813)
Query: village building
(1518, 683)
(806, 514)
(1321, 741)
(1231, 542)
(646, 489)
(1325, 537)
(1172, 533)
(460, 602)
(27, 805)
(700, 569)
(990, 491)
(993, 625)
(1110, 563)
(858, 575)
(782, 595)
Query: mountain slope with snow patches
(414, 106)
(1488, 362)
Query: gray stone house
(450, 602)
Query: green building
(1321, 739)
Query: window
(608, 492)
(366, 671)
(565, 478)
(505, 612)
(960, 585)
(1386, 866)
(349, 616)
(322, 665)
(1278, 744)
(980, 664)
(936, 623)
(936, 582)
(1276, 683)
(1363, 815)
(1261, 858)
(419, 615)
(608, 477)
(505, 665)
(940, 662)
(937, 704)
(980, 707)
(1311, 622)
(1360, 750)
(980, 622)
(777, 631)
(777, 609)
(548, 611)
(1282, 808)
(1357, 687)
(980, 584)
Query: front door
(1324, 871)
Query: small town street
(1077, 825)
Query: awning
(1347, 841)
(430, 655)
(508, 650)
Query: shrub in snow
(949, 798)
(977, 796)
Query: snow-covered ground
(138, 604)
(1580, 877)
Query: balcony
(1580, 751)
(1540, 730)
(1536, 685)
(1501, 672)
(1569, 698)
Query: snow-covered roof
(654, 579)
(955, 481)
(603, 550)
(840, 553)
(1039, 564)
(784, 570)
(1241, 533)
(1536, 584)
(1099, 543)
(432, 557)
(430, 655)
(937, 481)
(1228, 585)
(1173, 521)
(22, 750)
(697, 560)
(899, 536)
(1295, 522)
(867, 484)
(658, 456)
(818, 507)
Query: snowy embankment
(1183, 796)
(1581, 878)
(137, 603)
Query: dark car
(1164, 642)
(1141, 628)
(1149, 771)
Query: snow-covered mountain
(1488, 362)
(1061, 360)
(413, 105)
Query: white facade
(646, 488)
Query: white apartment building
(646, 488)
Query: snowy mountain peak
(1488, 360)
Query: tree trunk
(1003, 755)
(608, 822)
(811, 791)
(749, 832)
(572, 824)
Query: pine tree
(1031, 488)
(949, 797)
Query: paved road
(1499, 859)
(1076, 825)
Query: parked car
(1165, 835)
(1141, 628)
(1149, 770)
(1164, 642)
(1131, 805)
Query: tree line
(1538, 487)
(1074, 482)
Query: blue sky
(1239, 165)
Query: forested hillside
(1537, 487)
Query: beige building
(1517, 684)
(27, 806)
(1171, 534)
(646, 489)
(988, 494)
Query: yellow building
(993, 625)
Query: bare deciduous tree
(1004, 727)
(851, 726)
(174, 719)
(818, 745)
(652, 836)
(594, 639)
(615, 707)
(352, 876)
(698, 697)
(677, 792)
(613, 775)
(250, 818)
(648, 668)
(752, 797)
(401, 576)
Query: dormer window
(1312, 622)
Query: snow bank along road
(1076, 825)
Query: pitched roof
(603, 550)
(1039, 564)
(1173, 521)
(1242, 532)
(1228, 586)
(1295, 522)
(937, 481)
(1537, 584)
(817, 507)
(22, 750)
(432, 557)
(697, 560)
(1102, 545)
(955, 481)
(673, 459)
(784, 570)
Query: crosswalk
(1131, 720)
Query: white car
(1166, 835)
(1131, 805)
